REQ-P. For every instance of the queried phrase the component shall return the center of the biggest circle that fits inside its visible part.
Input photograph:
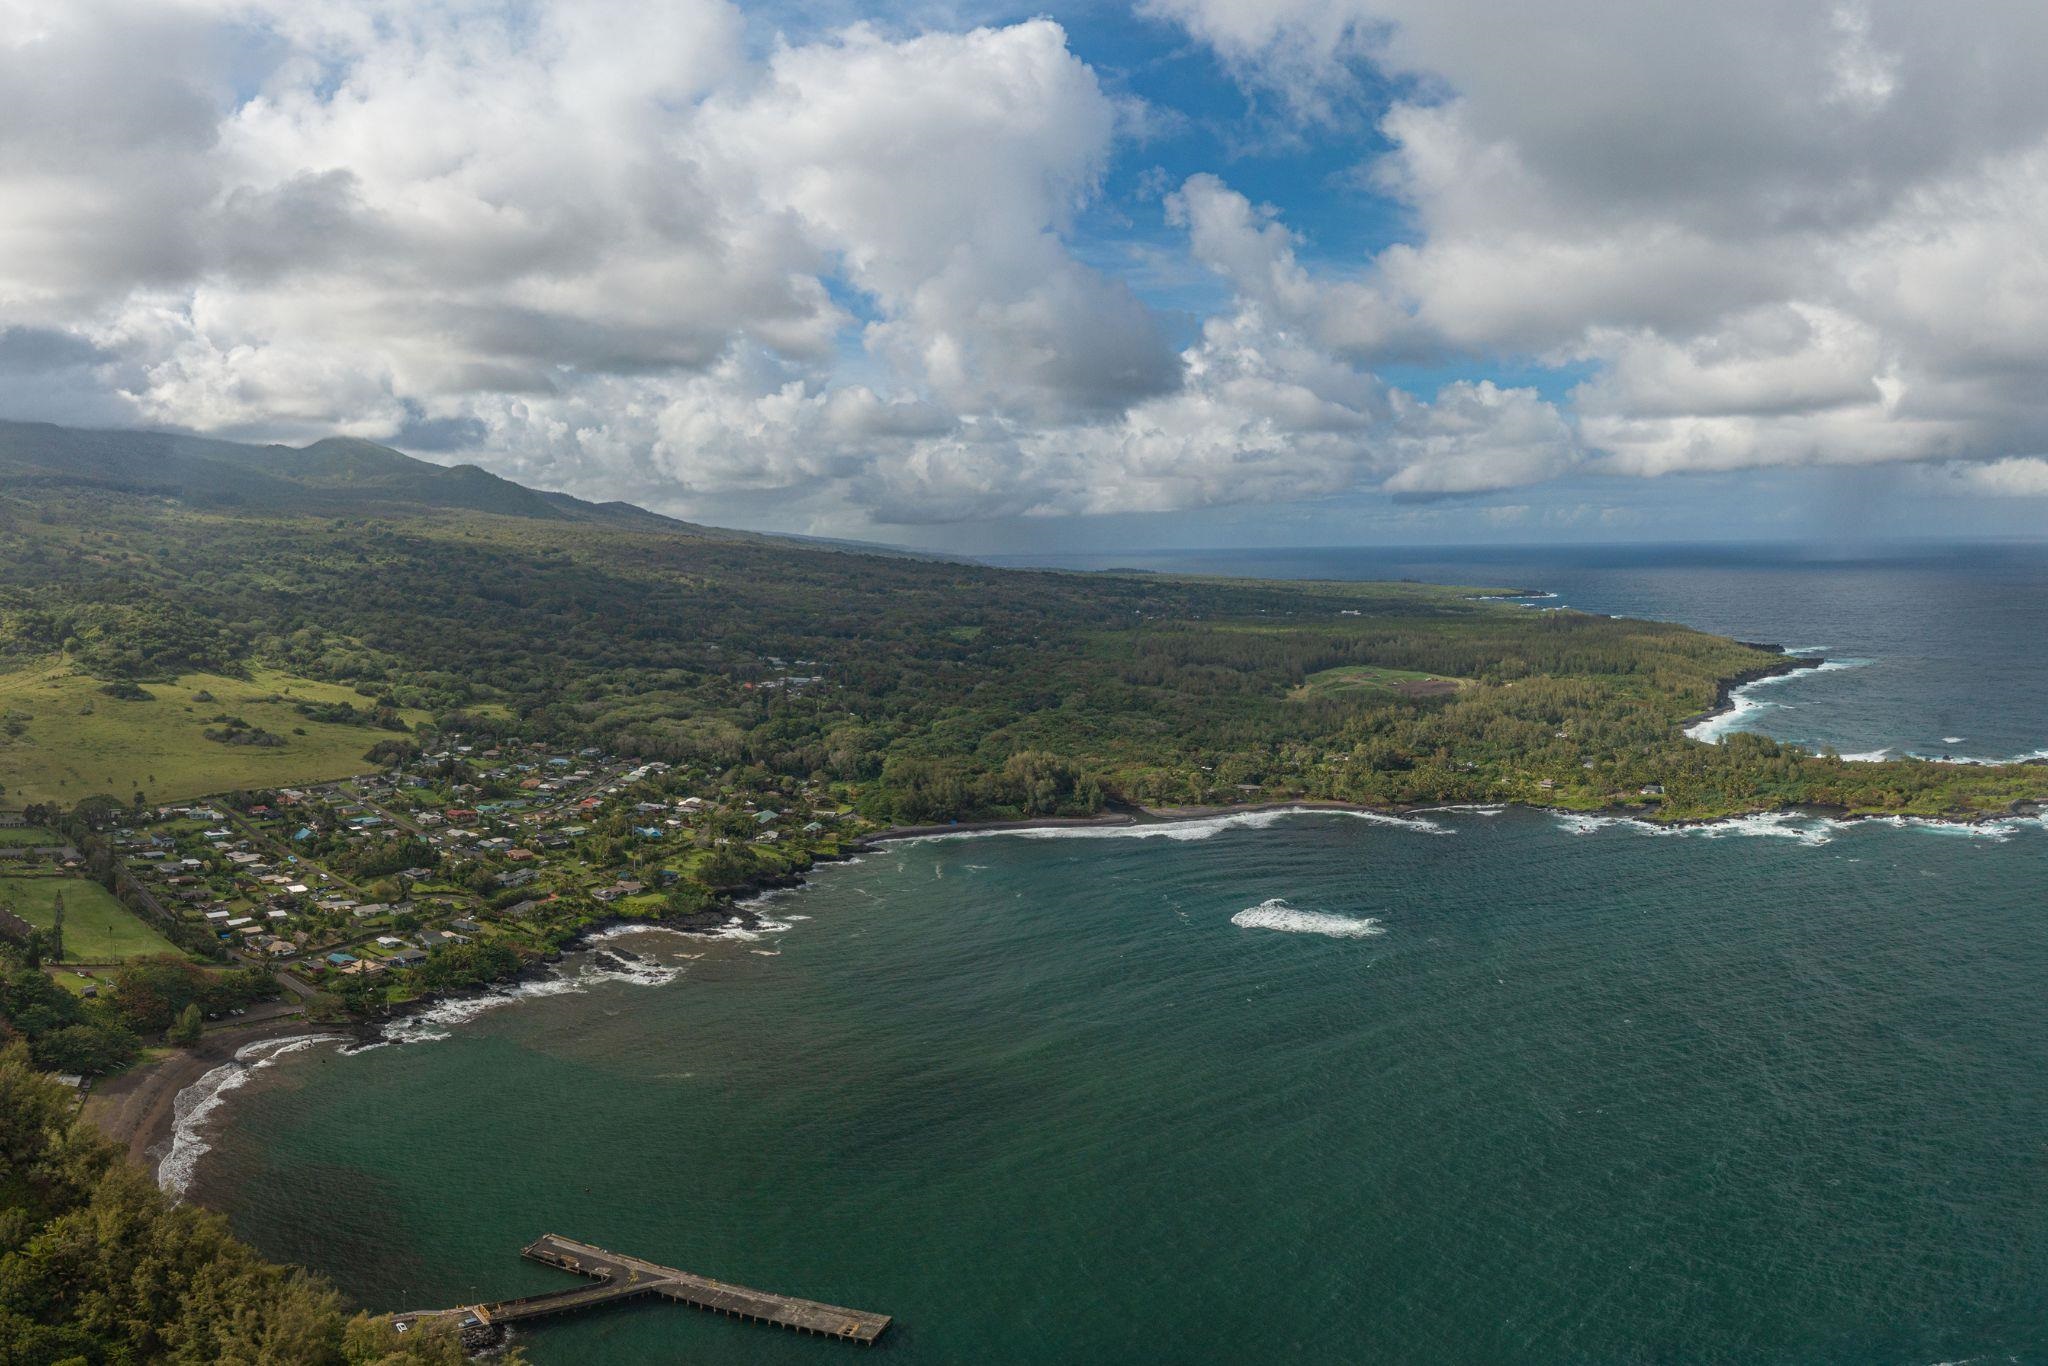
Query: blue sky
(1192, 271)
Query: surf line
(1736, 700)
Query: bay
(1552, 1090)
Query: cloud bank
(1780, 234)
(631, 249)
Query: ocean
(1478, 1085)
(1939, 651)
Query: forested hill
(336, 477)
(916, 689)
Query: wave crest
(196, 1104)
(1812, 831)
(1198, 828)
(433, 1024)
(1743, 702)
(1276, 914)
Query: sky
(1083, 278)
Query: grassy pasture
(27, 837)
(79, 742)
(1368, 679)
(97, 928)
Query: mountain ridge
(334, 475)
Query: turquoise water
(1771, 1093)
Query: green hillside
(336, 476)
(921, 689)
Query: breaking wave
(1276, 914)
(2032, 756)
(1806, 829)
(1198, 828)
(1743, 702)
(435, 1022)
(196, 1104)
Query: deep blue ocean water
(1946, 647)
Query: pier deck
(619, 1277)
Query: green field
(69, 979)
(97, 928)
(78, 741)
(26, 837)
(1370, 679)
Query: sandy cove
(138, 1108)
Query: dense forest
(924, 689)
(99, 1266)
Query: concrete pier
(619, 1277)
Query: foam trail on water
(2032, 756)
(1276, 914)
(626, 929)
(1808, 830)
(196, 1104)
(436, 1022)
(1200, 828)
(1743, 703)
(1998, 832)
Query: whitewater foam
(1198, 828)
(1276, 914)
(1998, 832)
(197, 1103)
(1981, 761)
(437, 1021)
(1743, 703)
(1809, 830)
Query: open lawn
(69, 979)
(1370, 679)
(97, 928)
(27, 837)
(78, 741)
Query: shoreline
(1172, 815)
(1725, 701)
(138, 1108)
